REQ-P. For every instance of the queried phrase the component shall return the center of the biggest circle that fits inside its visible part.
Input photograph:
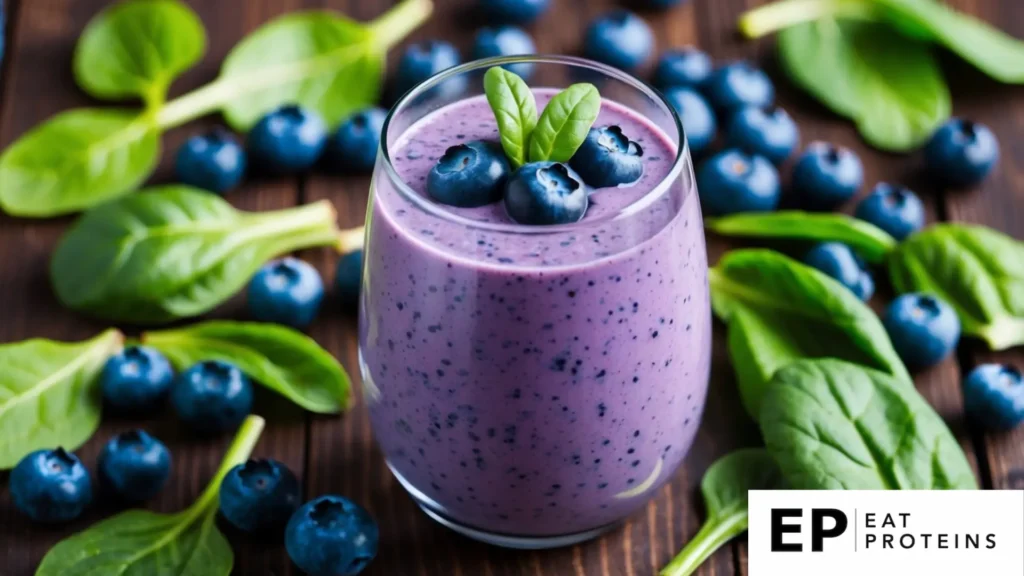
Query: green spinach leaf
(175, 252)
(145, 542)
(564, 124)
(832, 425)
(514, 108)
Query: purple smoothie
(534, 381)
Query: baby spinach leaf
(779, 311)
(869, 241)
(49, 393)
(284, 360)
(564, 124)
(832, 425)
(977, 270)
(145, 542)
(174, 252)
(725, 488)
(75, 160)
(514, 108)
(138, 48)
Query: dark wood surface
(337, 455)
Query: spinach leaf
(725, 488)
(834, 425)
(75, 160)
(564, 124)
(49, 393)
(779, 311)
(515, 110)
(871, 242)
(144, 542)
(174, 252)
(138, 48)
(284, 360)
(977, 270)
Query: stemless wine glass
(530, 386)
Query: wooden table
(337, 455)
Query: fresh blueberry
(505, 41)
(994, 396)
(286, 291)
(212, 396)
(608, 158)
(213, 161)
(50, 486)
(289, 139)
(136, 379)
(348, 277)
(331, 535)
(923, 329)
(732, 181)
(769, 133)
(837, 260)
(686, 67)
(422, 60)
(469, 175)
(516, 11)
(353, 146)
(621, 39)
(134, 466)
(739, 84)
(961, 152)
(259, 495)
(894, 209)
(542, 193)
(697, 117)
(825, 176)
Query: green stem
(712, 536)
(395, 24)
(239, 451)
(351, 240)
(780, 15)
(1005, 332)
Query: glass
(530, 386)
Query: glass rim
(421, 202)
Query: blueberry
(136, 380)
(837, 260)
(424, 59)
(505, 41)
(621, 39)
(894, 209)
(769, 133)
(259, 495)
(289, 139)
(516, 11)
(286, 291)
(697, 117)
(50, 486)
(546, 193)
(961, 153)
(469, 175)
(923, 329)
(994, 396)
(348, 277)
(826, 175)
(739, 84)
(608, 158)
(134, 466)
(686, 67)
(213, 161)
(331, 535)
(353, 146)
(212, 396)
(732, 181)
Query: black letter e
(779, 528)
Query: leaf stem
(779, 15)
(351, 240)
(1003, 333)
(395, 24)
(239, 451)
(712, 535)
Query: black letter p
(818, 532)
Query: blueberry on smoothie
(136, 380)
(289, 139)
(542, 193)
(698, 118)
(923, 329)
(505, 41)
(214, 161)
(348, 276)
(353, 146)
(621, 39)
(892, 208)
(286, 291)
(424, 59)
(212, 397)
(838, 261)
(733, 181)
(994, 396)
(134, 466)
(770, 133)
(739, 84)
(331, 535)
(50, 486)
(608, 158)
(684, 67)
(827, 175)
(961, 153)
(515, 11)
(469, 175)
(259, 495)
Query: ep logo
(787, 528)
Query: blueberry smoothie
(534, 381)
